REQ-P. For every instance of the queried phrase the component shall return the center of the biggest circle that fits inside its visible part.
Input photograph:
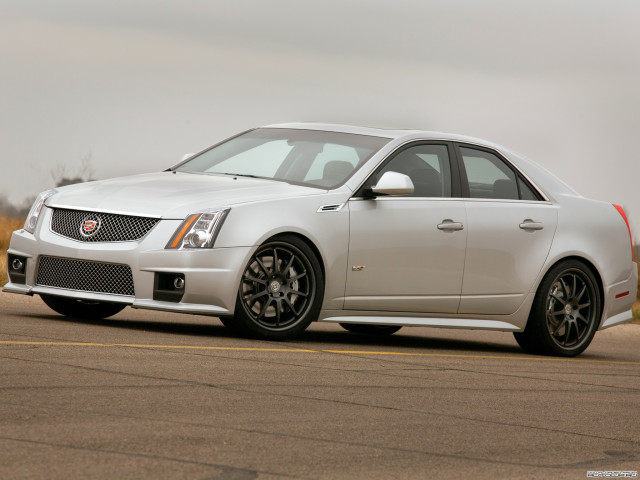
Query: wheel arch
(307, 241)
(587, 263)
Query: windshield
(307, 157)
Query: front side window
(309, 157)
(489, 176)
(426, 165)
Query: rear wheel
(565, 312)
(370, 329)
(281, 290)
(82, 308)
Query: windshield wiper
(240, 175)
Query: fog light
(17, 269)
(168, 287)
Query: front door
(406, 253)
(399, 258)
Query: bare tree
(84, 173)
(60, 177)
(86, 170)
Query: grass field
(8, 225)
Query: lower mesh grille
(85, 276)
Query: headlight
(198, 230)
(34, 213)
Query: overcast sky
(136, 84)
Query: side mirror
(392, 183)
(188, 155)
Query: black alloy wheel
(82, 308)
(565, 314)
(281, 290)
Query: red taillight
(626, 220)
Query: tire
(81, 308)
(370, 329)
(565, 313)
(281, 290)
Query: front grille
(85, 276)
(107, 227)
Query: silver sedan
(374, 229)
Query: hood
(172, 195)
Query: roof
(386, 133)
(354, 129)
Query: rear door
(510, 230)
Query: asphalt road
(155, 395)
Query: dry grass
(7, 226)
(636, 311)
(636, 306)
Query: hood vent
(330, 208)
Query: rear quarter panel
(596, 232)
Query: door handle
(449, 225)
(529, 224)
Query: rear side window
(490, 177)
(526, 193)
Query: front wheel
(281, 290)
(370, 329)
(81, 308)
(565, 313)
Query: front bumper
(211, 276)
